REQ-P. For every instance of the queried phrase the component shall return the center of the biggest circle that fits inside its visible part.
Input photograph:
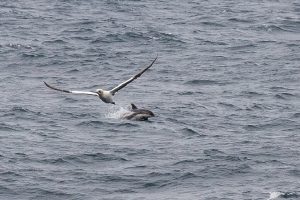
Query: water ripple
(225, 91)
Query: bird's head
(99, 91)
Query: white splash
(275, 195)
(116, 112)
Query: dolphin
(137, 114)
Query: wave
(234, 19)
(284, 95)
(79, 30)
(296, 115)
(187, 175)
(291, 25)
(33, 55)
(213, 152)
(9, 128)
(215, 24)
(75, 115)
(94, 123)
(121, 37)
(10, 174)
(256, 106)
(279, 88)
(295, 172)
(127, 124)
(18, 46)
(16, 110)
(7, 190)
(208, 42)
(201, 82)
(251, 94)
(191, 132)
(189, 161)
(229, 105)
(270, 124)
(83, 158)
(133, 151)
(89, 157)
(186, 93)
(215, 171)
(40, 193)
(73, 71)
(55, 41)
(242, 47)
(271, 28)
(165, 37)
(157, 184)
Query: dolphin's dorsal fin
(133, 106)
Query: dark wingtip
(53, 88)
(46, 83)
(155, 58)
(49, 85)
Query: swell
(201, 82)
(81, 158)
(139, 36)
(273, 28)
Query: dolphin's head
(150, 113)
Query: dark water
(225, 91)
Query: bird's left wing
(120, 86)
(71, 91)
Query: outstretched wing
(71, 91)
(120, 86)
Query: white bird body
(105, 95)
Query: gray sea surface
(225, 92)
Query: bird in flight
(105, 95)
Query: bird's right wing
(120, 86)
(71, 91)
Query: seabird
(105, 95)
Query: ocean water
(225, 92)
